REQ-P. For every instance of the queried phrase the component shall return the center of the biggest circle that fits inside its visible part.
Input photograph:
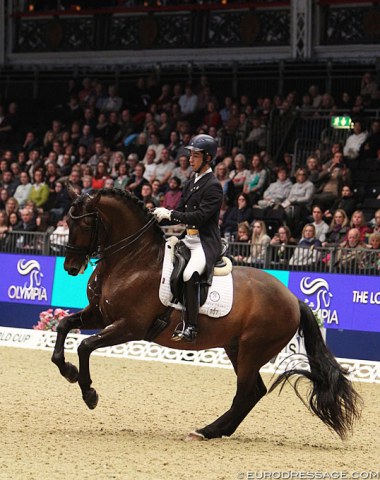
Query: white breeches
(197, 262)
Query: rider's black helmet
(203, 143)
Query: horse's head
(83, 224)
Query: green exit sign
(341, 122)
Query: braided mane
(124, 197)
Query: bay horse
(123, 293)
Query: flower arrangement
(50, 318)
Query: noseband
(91, 250)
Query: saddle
(181, 256)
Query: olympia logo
(32, 288)
(320, 304)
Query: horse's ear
(94, 198)
(72, 191)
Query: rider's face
(196, 159)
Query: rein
(91, 250)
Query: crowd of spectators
(99, 139)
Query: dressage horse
(123, 292)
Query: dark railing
(293, 258)
(354, 261)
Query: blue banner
(345, 302)
(69, 291)
(26, 279)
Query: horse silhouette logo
(31, 268)
(318, 287)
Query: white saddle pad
(220, 294)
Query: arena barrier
(290, 357)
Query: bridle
(92, 251)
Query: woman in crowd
(259, 242)
(239, 174)
(338, 229)
(100, 176)
(122, 179)
(358, 221)
(280, 243)
(221, 173)
(240, 212)
(39, 192)
(241, 248)
(305, 254)
(256, 180)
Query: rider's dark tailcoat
(199, 209)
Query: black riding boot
(191, 302)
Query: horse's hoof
(195, 437)
(91, 398)
(71, 373)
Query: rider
(199, 208)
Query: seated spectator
(280, 253)
(109, 183)
(256, 180)
(321, 227)
(313, 168)
(331, 186)
(157, 195)
(347, 201)
(221, 173)
(86, 184)
(242, 247)
(3, 226)
(351, 254)
(25, 226)
(11, 205)
(60, 237)
(137, 180)
(59, 204)
(338, 228)
(371, 145)
(183, 171)
(146, 195)
(117, 158)
(9, 182)
(373, 258)
(239, 174)
(121, 180)
(4, 196)
(306, 253)
(241, 212)
(375, 222)
(150, 165)
(277, 191)
(39, 192)
(173, 196)
(13, 221)
(100, 176)
(297, 204)
(259, 242)
(164, 169)
(257, 135)
(354, 141)
(358, 221)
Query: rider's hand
(162, 214)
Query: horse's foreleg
(114, 334)
(67, 370)
(250, 389)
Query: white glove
(162, 214)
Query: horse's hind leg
(250, 389)
(67, 369)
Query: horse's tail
(331, 397)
